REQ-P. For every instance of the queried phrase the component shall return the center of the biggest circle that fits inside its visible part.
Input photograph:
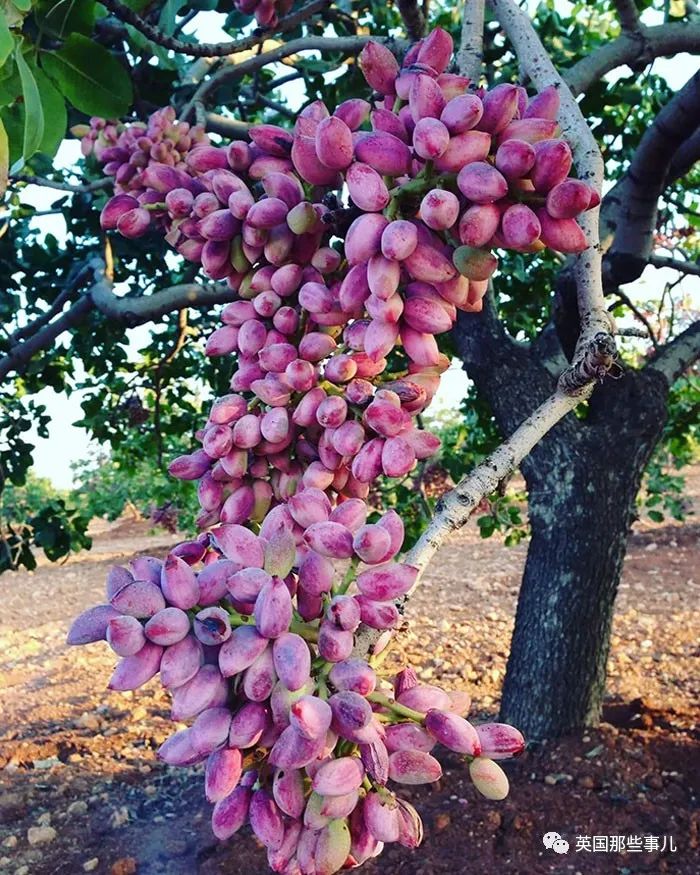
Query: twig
(325, 45)
(470, 55)
(61, 186)
(211, 50)
(75, 277)
(689, 267)
(627, 301)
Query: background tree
(69, 300)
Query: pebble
(91, 865)
(88, 721)
(23, 870)
(442, 821)
(40, 835)
(77, 808)
(119, 817)
(10, 842)
(124, 866)
(44, 819)
(48, 763)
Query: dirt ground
(82, 791)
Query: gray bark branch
(633, 49)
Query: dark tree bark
(581, 503)
(582, 482)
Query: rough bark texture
(582, 481)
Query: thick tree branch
(676, 356)
(231, 128)
(635, 49)
(628, 14)
(630, 209)
(413, 18)
(686, 156)
(587, 270)
(470, 55)
(212, 50)
(138, 310)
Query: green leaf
(89, 77)
(656, 516)
(12, 118)
(55, 115)
(7, 42)
(4, 158)
(33, 110)
(166, 22)
(63, 17)
(23, 5)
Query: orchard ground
(81, 788)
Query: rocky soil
(82, 791)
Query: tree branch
(684, 159)
(231, 128)
(634, 49)
(413, 18)
(97, 185)
(623, 298)
(125, 311)
(470, 55)
(44, 338)
(689, 267)
(587, 271)
(212, 50)
(595, 350)
(676, 356)
(325, 45)
(630, 209)
(628, 14)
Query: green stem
(303, 629)
(349, 576)
(379, 699)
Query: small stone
(91, 865)
(40, 835)
(77, 808)
(587, 782)
(550, 780)
(47, 763)
(494, 819)
(44, 819)
(88, 721)
(124, 866)
(10, 842)
(442, 821)
(118, 818)
(23, 870)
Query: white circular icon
(560, 846)
(549, 838)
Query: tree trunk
(581, 504)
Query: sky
(67, 443)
